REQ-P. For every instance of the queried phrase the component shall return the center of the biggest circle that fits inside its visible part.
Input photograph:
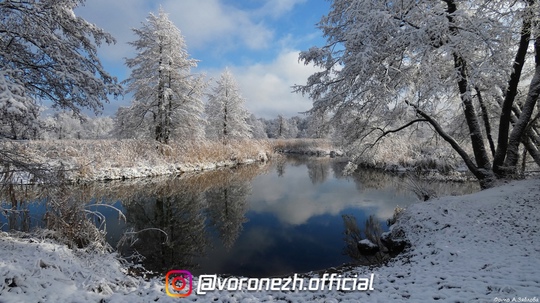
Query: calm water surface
(256, 220)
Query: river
(256, 220)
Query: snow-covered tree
(257, 127)
(387, 66)
(47, 53)
(133, 122)
(318, 125)
(165, 91)
(227, 117)
(281, 128)
(67, 125)
(100, 128)
(18, 112)
(64, 125)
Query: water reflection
(256, 220)
(227, 207)
(188, 211)
(177, 213)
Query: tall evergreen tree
(165, 91)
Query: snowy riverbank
(98, 160)
(482, 247)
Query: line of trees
(58, 62)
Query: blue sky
(258, 40)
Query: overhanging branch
(468, 161)
(386, 132)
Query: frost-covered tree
(281, 128)
(227, 117)
(133, 122)
(318, 125)
(47, 53)
(257, 127)
(67, 125)
(64, 125)
(166, 93)
(388, 66)
(18, 112)
(100, 128)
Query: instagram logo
(178, 283)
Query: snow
(367, 243)
(483, 247)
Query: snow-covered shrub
(406, 154)
(421, 188)
(397, 212)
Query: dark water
(256, 220)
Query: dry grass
(303, 146)
(119, 159)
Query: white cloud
(276, 8)
(267, 87)
(211, 23)
(222, 30)
(274, 195)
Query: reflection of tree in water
(176, 211)
(13, 208)
(227, 208)
(16, 201)
(280, 163)
(180, 207)
(338, 167)
(175, 205)
(318, 170)
(318, 167)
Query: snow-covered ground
(483, 247)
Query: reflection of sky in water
(27, 216)
(295, 224)
(294, 199)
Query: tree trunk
(160, 123)
(511, 92)
(477, 140)
(485, 177)
(512, 156)
(485, 118)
